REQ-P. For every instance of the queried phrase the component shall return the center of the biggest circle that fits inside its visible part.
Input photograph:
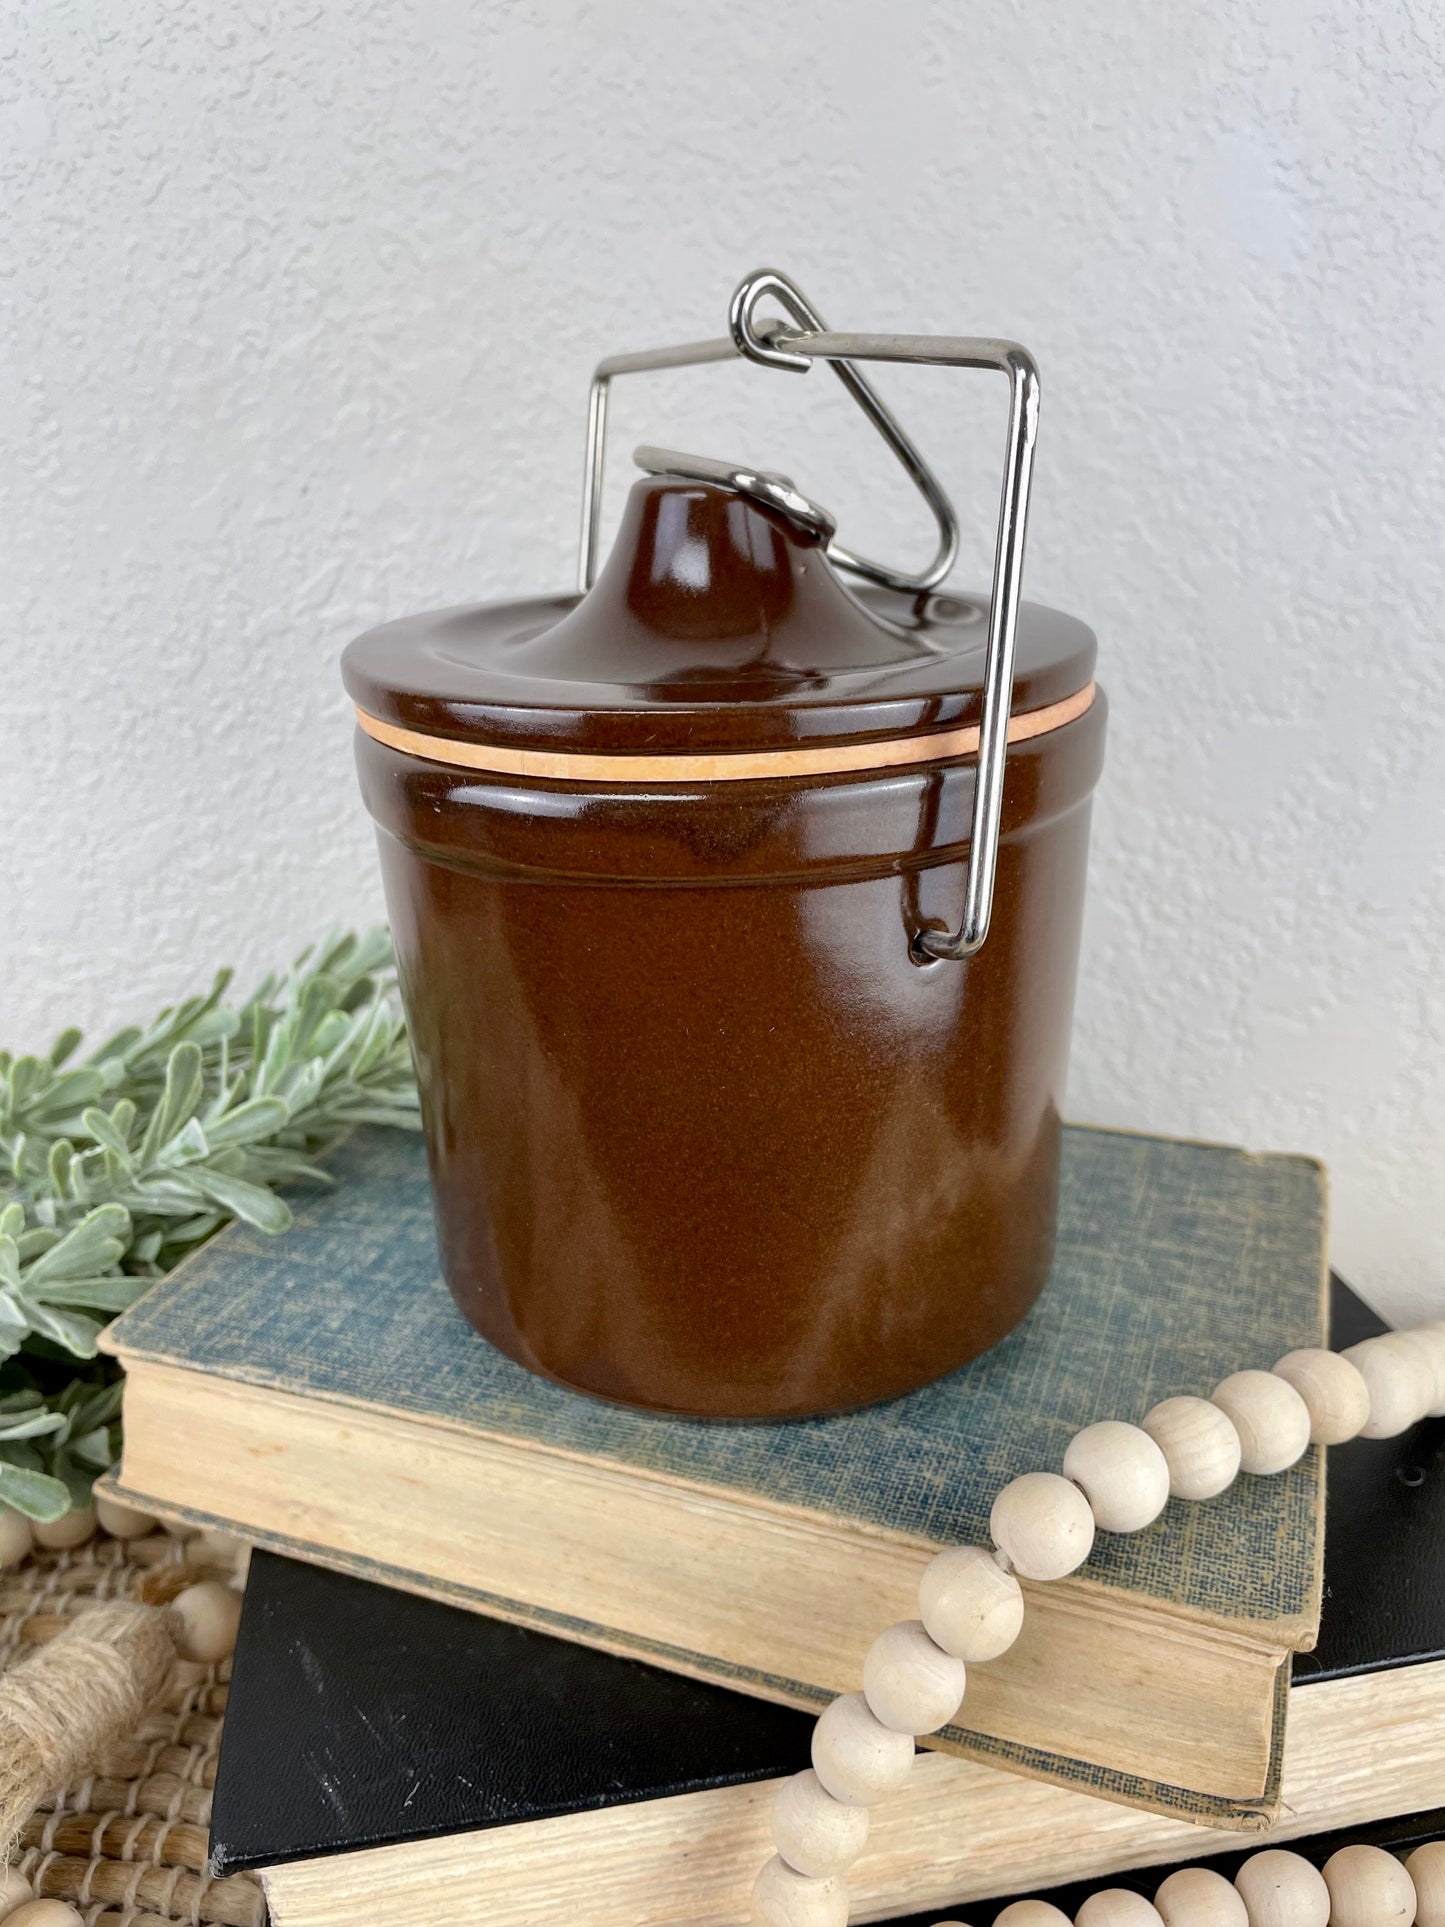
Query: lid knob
(719, 582)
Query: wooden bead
(1434, 1336)
(1043, 1525)
(15, 1890)
(970, 1606)
(217, 1548)
(72, 1528)
(816, 1834)
(1122, 1472)
(44, 1913)
(16, 1536)
(1431, 1340)
(1117, 1907)
(909, 1683)
(123, 1521)
(785, 1898)
(1401, 1383)
(210, 1613)
(1031, 1913)
(1271, 1418)
(1335, 1395)
(1200, 1446)
(1426, 1868)
(859, 1760)
(1282, 1889)
(1369, 1888)
(178, 1529)
(1195, 1897)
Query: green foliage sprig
(115, 1167)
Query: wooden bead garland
(1198, 1897)
(783, 1898)
(857, 1758)
(1043, 1525)
(1121, 1472)
(1271, 1418)
(1426, 1868)
(123, 1521)
(16, 1538)
(1401, 1379)
(1432, 1338)
(1283, 1890)
(1335, 1394)
(1117, 1907)
(1369, 1888)
(15, 1890)
(971, 1610)
(44, 1913)
(813, 1832)
(1199, 1444)
(210, 1613)
(71, 1529)
(969, 1605)
(910, 1683)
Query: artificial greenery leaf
(102, 1128)
(34, 1493)
(99, 1407)
(64, 1046)
(116, 1293)
(30, 1425)
(251, 1202)
(77, 1479)
(93, 1448)
(182, 1093)
(93, 1246)
(72, 1329)
(113, 1168)
(14, 1322)
(259, 1117)
(188, 1144)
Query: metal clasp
(773, 345)
(773, 491)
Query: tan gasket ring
(830, 759)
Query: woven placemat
(126, 1845)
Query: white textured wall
(299, 306)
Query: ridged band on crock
(806, 829)
(834, 759)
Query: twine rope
(89, 1686)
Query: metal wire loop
(773, 345)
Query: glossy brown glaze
(704, 1137)
(714, 625)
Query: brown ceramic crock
(708, 1133)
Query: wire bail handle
(772, 344)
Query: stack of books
(514, 1655)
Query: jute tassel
(90, 1685)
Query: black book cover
(359, 1716)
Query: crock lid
(716, 625)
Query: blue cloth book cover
(320, 1393)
